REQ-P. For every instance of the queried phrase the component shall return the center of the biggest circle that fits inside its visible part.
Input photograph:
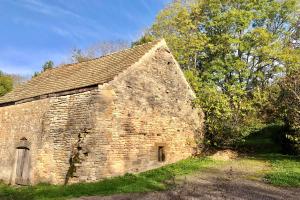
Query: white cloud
(69, 23)
(39, 6)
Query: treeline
(242, 58)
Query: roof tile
(78, 75)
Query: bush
(6, 84)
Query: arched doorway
(23, 163)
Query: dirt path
(236, 179)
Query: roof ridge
(106, 55)
(81, 74)
(123, 50)
(49, 71)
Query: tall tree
(98, 49)
(144, 39)
(6, 84)
(231, 52)
(46, 66)
(107, 47)
(79, 56)
(18, 79)
(289, 107)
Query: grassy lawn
(284, 169)
(157, 179)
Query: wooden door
(22, 168)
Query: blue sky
(34, 31)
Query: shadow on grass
(265, 140)
(153, 180)
(266, 145)
(286, 170)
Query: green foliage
(47, 66)
(144, 39)
(147, 181)
(290, 99)
(289, 108)
(36, 74)
(6, 84)
(264, 141)
(231, 51)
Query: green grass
(152, 180)
(285, 170)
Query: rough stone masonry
(127, 112)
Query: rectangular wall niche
(161, 154)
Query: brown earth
(235, 179)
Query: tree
(144, 39)
(290, 99)
(46, 66)
(231, 51)
(98, 49)
(78, 56)
(289, 107)
(6, 84)
(18, 79)
(107, 47)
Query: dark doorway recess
(161, 154)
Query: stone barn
(126, 112)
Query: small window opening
(161, 154)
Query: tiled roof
(78, 75)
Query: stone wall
(113, 129)
(152, 107)
(71, 121)
(147, 106)
(53, 127)
(23, 120)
